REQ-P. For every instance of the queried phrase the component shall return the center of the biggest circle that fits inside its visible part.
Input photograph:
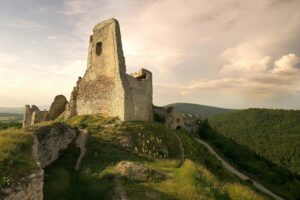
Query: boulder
(57, 107)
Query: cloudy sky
(226, 53)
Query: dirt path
(119, 191)
(181, 148)
(238, 173)
(81, 142)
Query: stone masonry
(34, 115)
(105, 88)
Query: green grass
(151, 144)
(277, 178)
(16, 158)
(272, 134)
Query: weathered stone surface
(106, 88)
(31, 189)
(177, 120)
(33, 115)
(50, 141)
(57, 107)
(137, 171)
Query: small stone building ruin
(34, 115)
(105, 88)
(177, 120)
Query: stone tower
(105, 88)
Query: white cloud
(286, 64)
(246, 58)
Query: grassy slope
(262, 142)
(16, 159)
(202, 110)
(273, 134)
(151, 144)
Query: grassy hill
(273, 134)
(202, 110)
(138, 160)
(264, 143)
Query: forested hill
(273, 134)
(202, 110)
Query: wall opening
(98, 48)
(178, 127)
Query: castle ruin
(105, 88)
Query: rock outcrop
(57, 107)
(50, 140)
(31, 189)
(137, 171)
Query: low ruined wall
(50, 141)
(31, 190)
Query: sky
(225, 53)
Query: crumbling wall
(34, 115)
(140, 88)
(106, 89)
(177, 120)
(95, 93)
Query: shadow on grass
(138, 192)
(63, 182)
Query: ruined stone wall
(101, 88)
(31, 189)
(140, 87)
(106, 89)
(33, 115)
(177, 120)
(49, 141)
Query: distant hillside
(16, 110)
(273, 134)
(10, 117)
(19, 110)
(202, 110)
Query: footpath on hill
(182, 157)
(236, 172)
(81, 143)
